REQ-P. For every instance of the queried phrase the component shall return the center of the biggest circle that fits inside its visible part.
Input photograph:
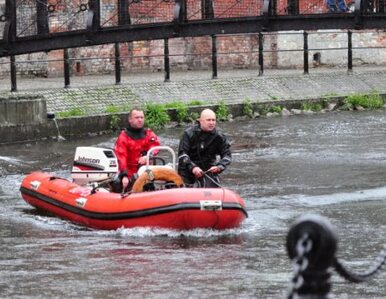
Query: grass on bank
(222, 111)
(367, 101)
(71, 113)
(307, 106)
(156, 116)
(248, 108)
(117, 109)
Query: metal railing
(311, 245)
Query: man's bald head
(207, 120)
(207, 113)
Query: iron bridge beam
(126, 33)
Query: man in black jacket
(203, 152)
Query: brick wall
(193, 53)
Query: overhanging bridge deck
(43, 25)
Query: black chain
(360, 277)
(299, 264)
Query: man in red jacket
(132, 145)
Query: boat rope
(223, 194)
(360, 277)
(213, 180)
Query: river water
(331, 164)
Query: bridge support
(207, 9)
(42, 17)
(93, 18)
(293, 7)
(123, 12)
(9, 33)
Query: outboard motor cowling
(93, 164)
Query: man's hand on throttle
(142, 160)
(214, 169)
(197, 171)
(125, 182)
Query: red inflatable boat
(176, 208)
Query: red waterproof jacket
(131, 145)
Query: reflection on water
(331, 164)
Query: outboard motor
(93, 164)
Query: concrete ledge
(85, 125)
(21, 110)
(11, 133)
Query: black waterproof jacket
(203, 149)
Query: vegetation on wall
(366, 101)
(156, 116)
(70, 113)
(114, 122)
(247, 108)
(307, 106)
(159, 115)
(222, 111)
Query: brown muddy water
(331, 164)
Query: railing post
(311, 245)
(305, 52)
(261, 54)
(117, 64)
(349, 51)
(214, 57)
(66, 68)
(13, 73)
(166, 60)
